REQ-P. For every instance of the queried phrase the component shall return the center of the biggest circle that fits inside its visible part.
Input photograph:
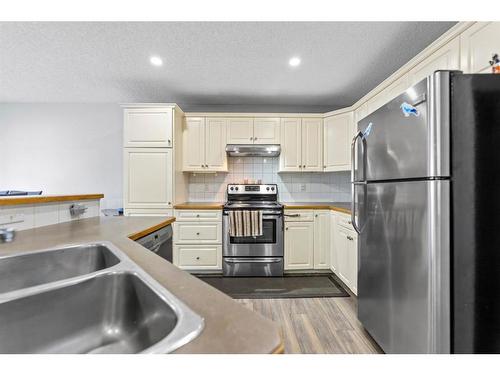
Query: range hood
(253, 150)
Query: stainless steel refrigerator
(424, 203)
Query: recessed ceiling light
(294, 61)
(156, 61)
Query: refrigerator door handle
(356, 227)
(361, 136)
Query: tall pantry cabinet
(152, 158)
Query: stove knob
(267, 188)
(236, 188)
(272, 188)
(232, 188)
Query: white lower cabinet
(344, 251)
(198, 257)
(299, 245)
(198, 240)
(307, 239)
(322, 239)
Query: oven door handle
(253, 260)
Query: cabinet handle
(292, 215)
(169, 203)
(206, 165)
(168, 141)
(304, 166)
(286, 228)
(300, 166)
(251, 138)
(350, 238)
(198, 215)
(197, 258)
(349, 222)
(197, 233)
(254, 138)
(316, 215)
(202, 166)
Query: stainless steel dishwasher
(159, 242)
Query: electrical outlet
(303, 187)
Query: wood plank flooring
(316, 325)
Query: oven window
(268, 234)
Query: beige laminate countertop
(35, 199)
(199, 206)
(335, 206)
(229, 326)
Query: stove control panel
(252, 189)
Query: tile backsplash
(292, 187)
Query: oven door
(270, 244)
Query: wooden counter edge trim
(34, 199)
(154, 228)
(280, 349)
(190, 206)
(318, 207)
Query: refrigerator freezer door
(403, 280)
(409, 136)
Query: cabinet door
(334, 262)
(148, 127)
(299, 245)
(337, 142)
(312, 144)
(291, 151)
(445, 58)
(147, 178)
(266, 131)
(322, 239)
(477, 45)
(352, 260)
(193, 150)
(215, 144)
(240, 130)
(347, 251)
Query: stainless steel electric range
(259, 255)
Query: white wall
(62, 149)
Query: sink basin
(89, 298)
(41, 267)
(114, 313)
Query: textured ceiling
(207, 66)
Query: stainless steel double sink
(88, 298)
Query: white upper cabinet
(204, 148)
(148, 127)
(215, 144)
(266, 130)
(312, 144)
(240, 130)
(194, 144)
(390, 92)
(337, 135)
(301, 145)
(291, 145)
(148, 178)
(477, 45)
(445, 58)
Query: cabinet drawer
(198, 215)
(193, 232)
(198, 257)
(299, 215)
(345, 221)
